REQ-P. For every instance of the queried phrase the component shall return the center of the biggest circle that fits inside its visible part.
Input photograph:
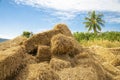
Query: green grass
(105, 39)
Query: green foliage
(94, 21)
(27, 34)
(110, 36)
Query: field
(105, 39)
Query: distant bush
(110, 36)
(27, 34)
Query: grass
(103, 43)
(105, 39)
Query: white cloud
(74, 5)
(69, 8)
(113, 19)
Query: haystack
(59, 64)
(44, 53)
(39, 71)
(39, 39)
(44, 38)
(11, 61)
(61, 44)
(63, 29)
(59, 56)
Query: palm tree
(94, 21)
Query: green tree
(94, 21)
(27, 34)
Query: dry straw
(45, 37)
(44, 53)
(10, 62)
(61, 44)
(59, 64)
(80, 73)
(116, 61)
(39, 39)
(111, 69)
(39, 71)
(12, 43)
(106, 55)
(117, 78)
(64, 58)
(63, 29)
(115, 51)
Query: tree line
(111, 36)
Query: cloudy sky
(17, 16)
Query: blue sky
(17, 16)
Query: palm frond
(90, 28)
(98, 27)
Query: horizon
(36, 16)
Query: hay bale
(77, 47)
(39, 71)
(44, 53)
(63, 29)
(59, 64)
(43, 38)
(11, 61)
(61, 44)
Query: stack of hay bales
(45, 37)
(58, 56)
(63, 49)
